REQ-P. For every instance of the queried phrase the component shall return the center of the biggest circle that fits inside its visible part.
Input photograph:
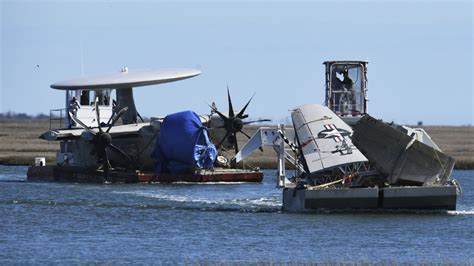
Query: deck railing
(57, 118)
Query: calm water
(52, 222)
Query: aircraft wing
(61, 134)
(324, 139)
(74, 133)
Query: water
(201, 223)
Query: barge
(74, 174)
(405, 198)
(346, 159)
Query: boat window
(103, 97)
(107, 97)
(85, 97)
(347, 97)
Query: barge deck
(53, 173)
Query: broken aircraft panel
(324, 139)
(402, 158)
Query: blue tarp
(183, 145)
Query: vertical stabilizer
(324, 139)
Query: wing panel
(324, 138)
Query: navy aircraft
(99, 131)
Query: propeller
(233, 123)
(102, 139)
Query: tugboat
(346, 159)
(103, 138)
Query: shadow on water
(238, 208)
(163, 206)
(13, 181)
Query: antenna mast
(82, 62)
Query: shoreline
(19, 144)
(262, 164)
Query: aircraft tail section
(324, 139)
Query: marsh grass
(19, 144)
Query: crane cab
(346, 89)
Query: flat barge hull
(78, 175)
(405, 198)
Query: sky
(419, 52)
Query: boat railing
(57, 118)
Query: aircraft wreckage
(346, 159)
(343, 157)
(103, 140)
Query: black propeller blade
(231, 108)
(116, 118)
(241, 113)
(257, 121)
(119, 151)
(103, 139)
(247, 135)
(223, 139)
(236, 144)
(221, 115)
(97, 113)
(79, 122)
(233, 123)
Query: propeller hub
(105, 139)
(236, 124)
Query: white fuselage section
(81, 104)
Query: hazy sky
(419, 52)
